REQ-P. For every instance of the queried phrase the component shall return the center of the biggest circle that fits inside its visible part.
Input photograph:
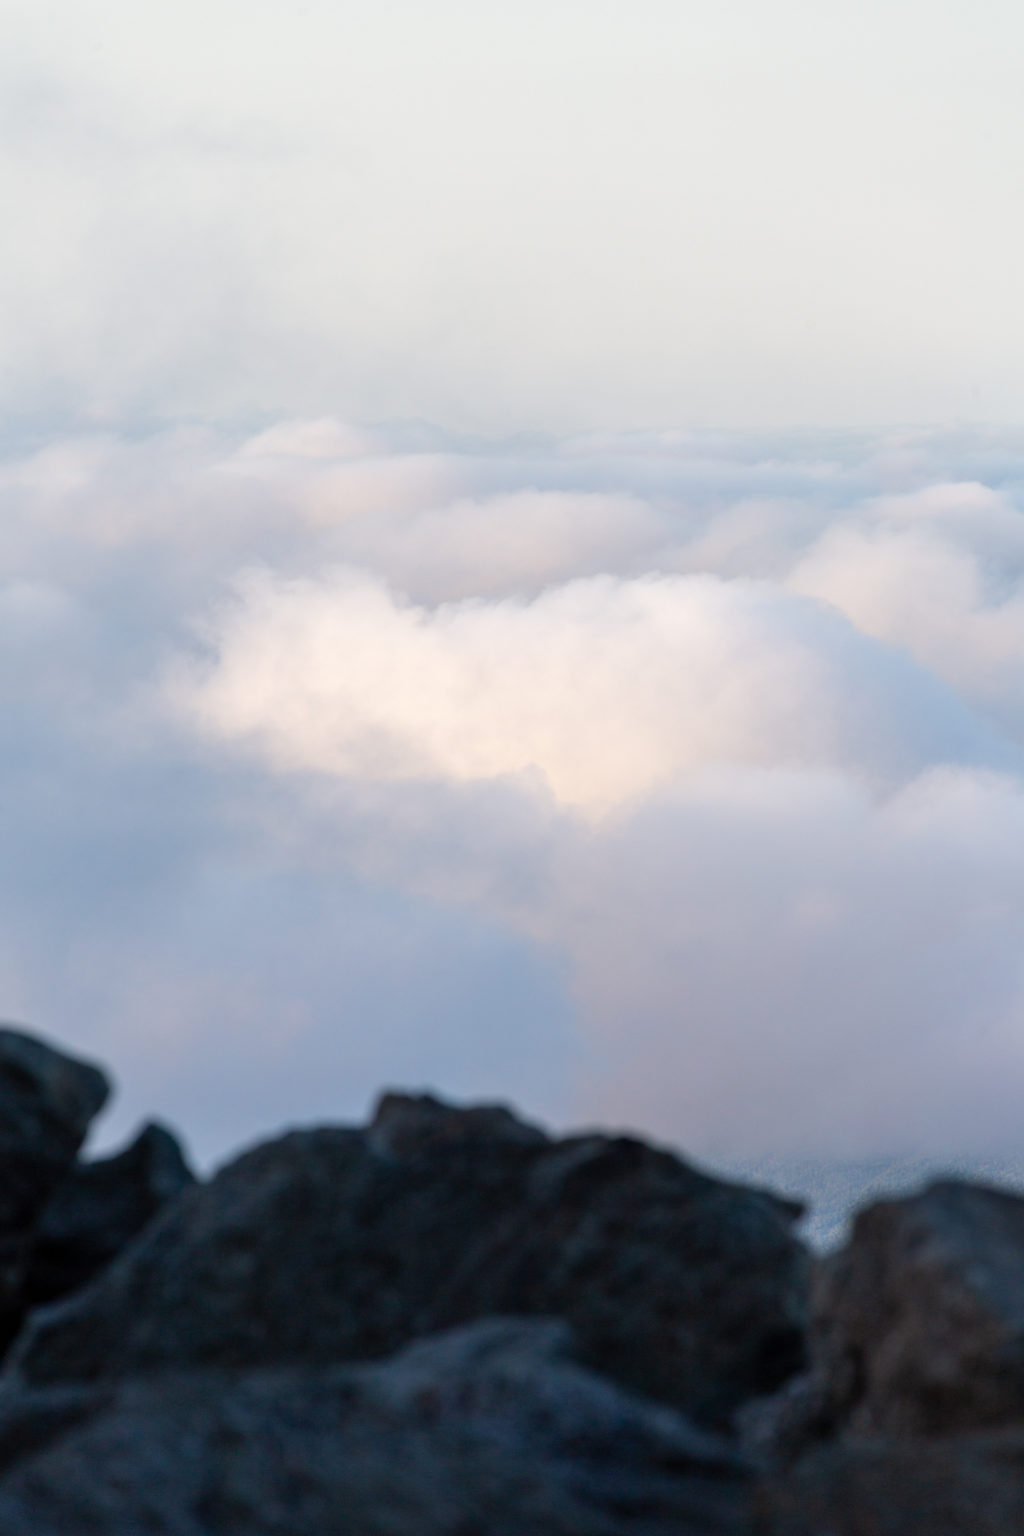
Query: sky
(554, 215)
(512, 563)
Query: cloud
(779, 961)
(607, 688)
(505, 544)
(670, 781)
(449, 213)
(939, 575)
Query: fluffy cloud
(608, 689)
(673, 781)
(938, 574)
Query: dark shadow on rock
(47, 1102)
(98, 1209)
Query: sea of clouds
(670, 781)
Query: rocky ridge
(448, 1323)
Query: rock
(680, 1287)
(773, 1432)
(488, 1431)
(959, 1485)
(47, 1100)
(31, 1421)
(919, 1320)
(335, 1245)
(407, 1125)
(98, 1208)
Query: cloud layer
(606, 689)
(528, 217)
(675, 781)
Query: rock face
(338, 1245)
(919, 1321)
(450, 1324)
(960, 1485)
(488, 1431)
(910, 1421)
(47, 1101)
(98, 1208)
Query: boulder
(47, 1101)
(98, 1208)
(957, 1485)
(339, 1245)
(487, 1431)
(919, 1321)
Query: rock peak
(405, 1124)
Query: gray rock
(407, 1125)
(344, 1245)
(773, 1432)
(919, 1320)
(957, 1485)
(488, 1431)
(98, 1208)
(30, 1421)
(47, 1100)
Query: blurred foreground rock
(919, 1321)
(98, 1208)
(960, 1485)
(47, 1102)
(917, 1326)
(344, 1245)
(448, 1323)
(489, 1429)
(910, 1420)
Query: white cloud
(607, 688)
(940, 575)
(666, 780)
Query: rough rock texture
(487, 1431)
(343, 1245)
(449, 1324)
(47, 1100)
(919, 1320)
(98, 1208)
(960, 1485)
(31, 1421)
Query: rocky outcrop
(910, 1420)
(47, 1102)
(98, 1208)
(449, 1323)
(487, 1430)
(340, 1245)
(918, 1325)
